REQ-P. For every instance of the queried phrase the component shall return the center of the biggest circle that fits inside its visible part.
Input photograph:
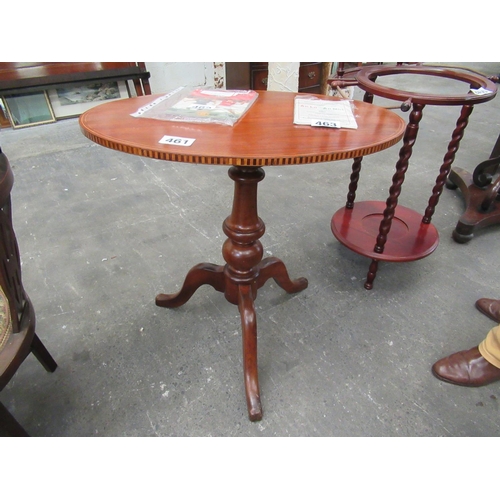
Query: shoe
(467, 368)
(490, 307)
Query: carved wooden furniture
(17, 316)
(384, 230)
(481, 194)
(264, 137)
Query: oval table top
(264, 136)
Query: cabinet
(310, 76)
(254, 76)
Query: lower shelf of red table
(409, 239)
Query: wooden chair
(17, 316)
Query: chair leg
(10, 424)
(372, 272)
(41, 353)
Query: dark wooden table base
(482, 207)
(480, 191)
(244, 273)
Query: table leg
(244, 273)
(353, 184)
(356, 166)
(482, 208)
(201, 274)
(395, 190)
(449, 157)
(250, 368)
(481, 194)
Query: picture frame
(73, 100)
(28, 109)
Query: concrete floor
(102, 232)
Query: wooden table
(265, 136)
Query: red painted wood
(410, 238)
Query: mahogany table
(265, 136)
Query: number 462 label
(325, 123)
(176, 141)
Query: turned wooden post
(399, 177)
(243, 251)
(449, 157)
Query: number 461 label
(176, 141)
(325, 123)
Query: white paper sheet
(308, 110)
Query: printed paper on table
(307, 110)
(200, 105)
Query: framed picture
(73, 100)
(27, 109)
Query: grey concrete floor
(102, 232)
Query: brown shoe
(467, 368)
(490, 307)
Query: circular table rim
(365, 78)
(239, 161)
